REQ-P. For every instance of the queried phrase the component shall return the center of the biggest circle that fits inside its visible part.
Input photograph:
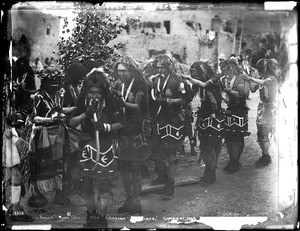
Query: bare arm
(197, 82)
(133, 106)
(266, 81)
(258, 81)
(75, 121)
(42, 120)
(68, 110)
(194, 81)
(252, 84)
(178, 101)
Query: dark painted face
(22, 67)
(56, 81)
(161, 69)
(53, 84)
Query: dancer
(210, 118)
(168, 99)
(236, 121)
(266, 112)
(98, 114)
(136, 131)
(47, 140)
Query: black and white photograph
(149, 115)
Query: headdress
(51, 73)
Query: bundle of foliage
(89, 39)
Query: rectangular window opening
(48, 30)
(167, 25)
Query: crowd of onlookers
(37, 65)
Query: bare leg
(127, 179)
(264, 145)
(137, 183)
(90, 204)
(103, 203)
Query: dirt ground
(250, 192)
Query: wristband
(108, 127)
(105, 127)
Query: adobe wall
(188, 40)
(33, 24)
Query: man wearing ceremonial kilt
(47, 140)
(98, 113)
(267, 83)
(135, 134)
(210, 118)
(71, 89)
(168, 100)
(236, 121)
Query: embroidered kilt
(208, 126)
(170, 131)
(236, 121)
(106, 168)
(166, 139)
